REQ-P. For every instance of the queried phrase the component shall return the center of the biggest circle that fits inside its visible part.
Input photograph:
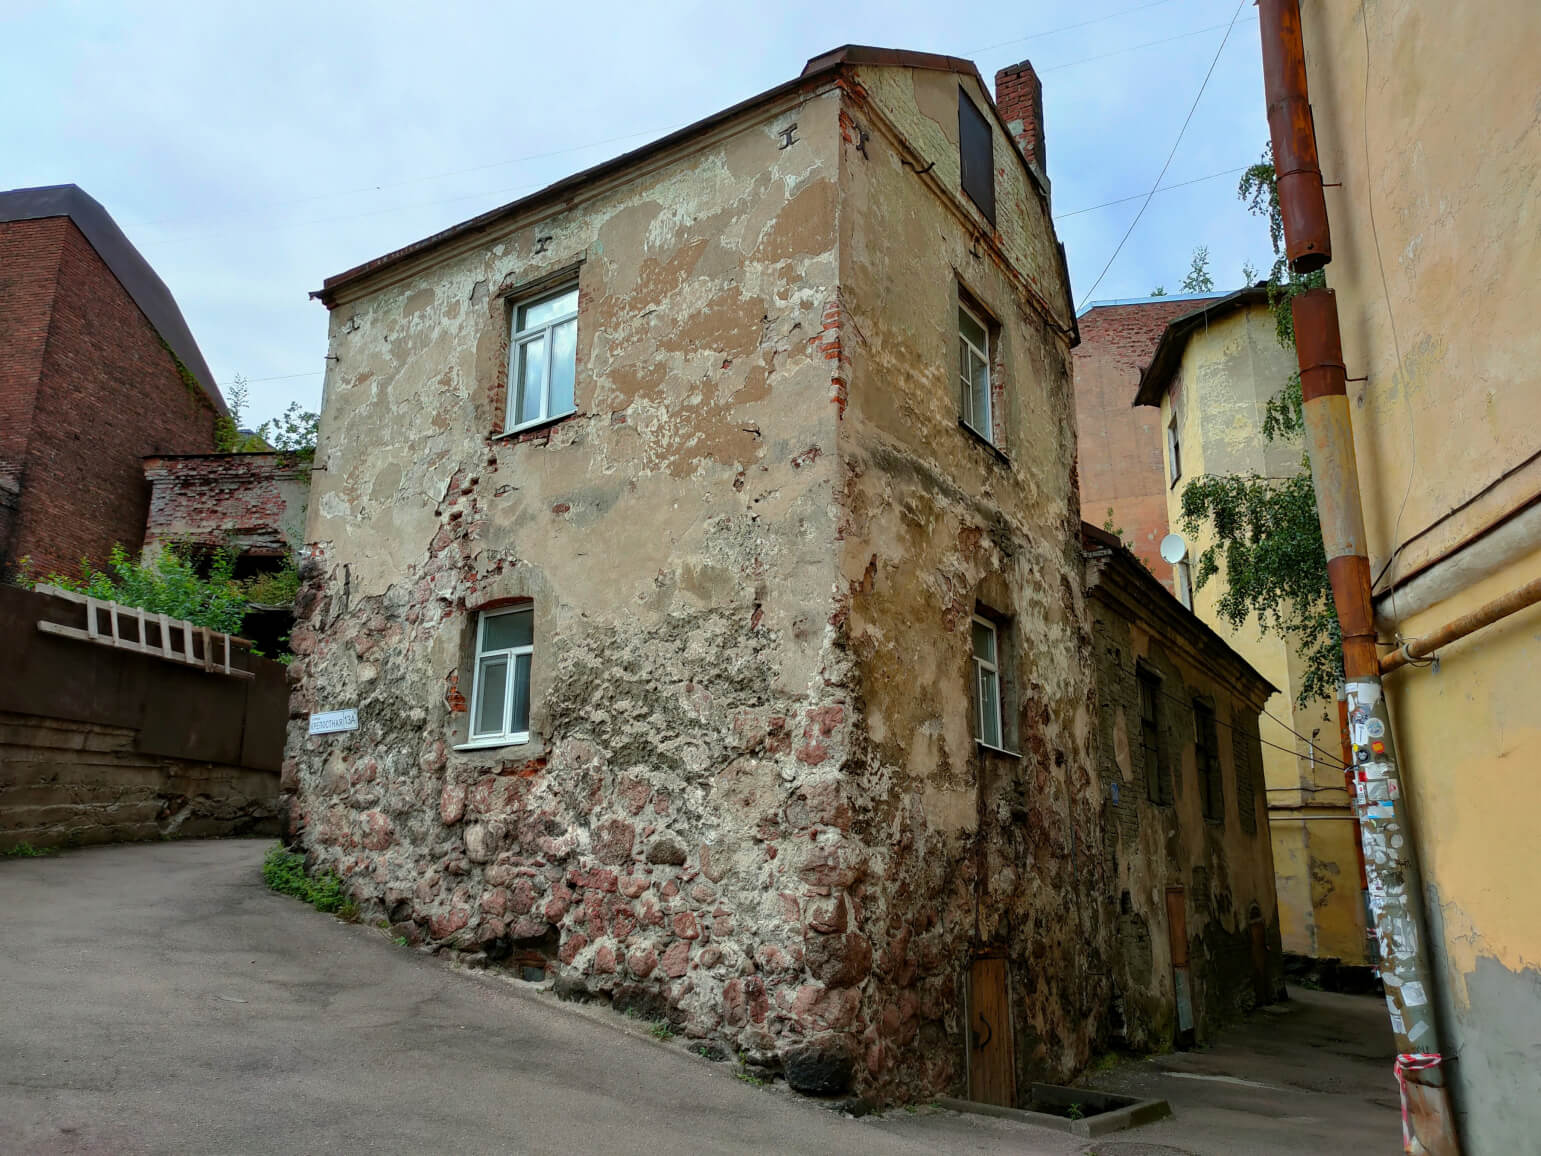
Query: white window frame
(981, 665)
(969, 416)
(1182, 577)
(511, 655)
(518, 339)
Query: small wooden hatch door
(992, 1075)
(1177, 937)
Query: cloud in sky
(251, 151)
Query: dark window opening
(1207, 755)
(976, 154)
(1158, 783)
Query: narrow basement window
(987, 682)
(500, 696)
(543, 359)
(974, 371)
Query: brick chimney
(1019, 97)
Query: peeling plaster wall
(1228, 372)
(676, 537)
(969, 849)
(1226, 869)
(752, 801)
(1435, 250)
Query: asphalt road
(158, 998)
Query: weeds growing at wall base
(284, 872)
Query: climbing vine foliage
(1267, 538)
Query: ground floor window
(987, 681)
(500, 694)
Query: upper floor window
(500, 694)
(1174, 450)
(543, 358)
(1207, 756)
(976, 155)
(1182, 578)
(987, 681)
(974, 371)
(1158, 784)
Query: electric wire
(1069, 27)
(1162, 189)
(1333, 761)
(1156, 184)
(1396, 344)
(1309, 742)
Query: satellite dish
(1173, 548)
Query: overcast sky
(250, 151)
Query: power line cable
(1068, 27)
(1180, 133)
(1136, 47)
(1162, 189)
(409, 181)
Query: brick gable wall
(107, 393)
(29, 263)
(1120, 446)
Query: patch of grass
(402, 941)
(1075, 1112)
(749, 1078)
(284, 872)
(28, 851)
(662, 1031)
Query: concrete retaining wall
(99, 745)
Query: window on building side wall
(976, 156)
(987, 681)
(1174, 450)
(1182, 578)
(974, 371)
(543, 359)
(1158, 786)
(1207, 756)
(500, 696)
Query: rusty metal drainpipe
(1395, 883)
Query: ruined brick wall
(954, 848)
(675, 536)
(1153, 844)
(107, 392)
(254, 503)
(1121, 447)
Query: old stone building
(1208, 383)
(97, 369)
(251, 503)
(1187, 843)
(697, 540)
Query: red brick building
(1121, 446)
(97, 370)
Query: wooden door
(992, 1074)
(1177, 937)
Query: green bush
(169, 585)
(284, 872)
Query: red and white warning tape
(1411, 1062)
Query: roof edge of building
(125, 262)
(817, 69)
(1155, 377)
